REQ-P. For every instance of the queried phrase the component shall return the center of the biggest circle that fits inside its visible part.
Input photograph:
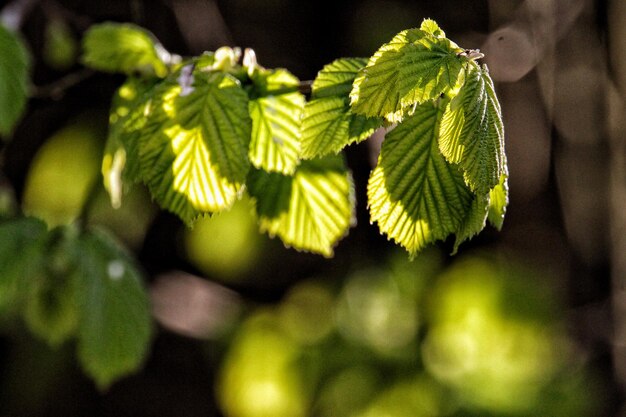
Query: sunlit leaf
(414, 67)
(310, 211)
(194, 149)
(51, 305)
(414, 195)
(115, 325)
(14, 70)
(472, 133)
(127, 121)
(125, 48)
(432, 28)
(329, 125)
(276, 111)
(21, 251)
(498, 200)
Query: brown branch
(305, 86)
(57, 89)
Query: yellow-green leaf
(125, 48)
(329, 125)
(310, 211)
(276, 110)
(127, 121)
(414, 67)
(498, 200)
(194, 149)
(414, 194)
(472, 133)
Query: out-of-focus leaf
(51, 305)
(310, 211)
(125, 48)
(14, 71)
(276, 118)
(414, 195)
(194, 147)
(21, 247)
(115, 325)
(329, 125)
(60, 46)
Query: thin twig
(305, 86)
(56, 90)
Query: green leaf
(329, 125)
(414, 67)
(472, 133)
(14, 71)
(474, 221)
(432, 28)
(498, 200)
(125, 48)
(310, 211)
(491, 206)
(21, 251)
(276, 112)
(51, 307)
(194, 149)
(414, 195)
(127, 121)
(60, 48)
(336, 78)
(115, 326)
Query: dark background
(560, 74)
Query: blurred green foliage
(483, 336)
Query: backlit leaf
(125, 48)
(432, 28)
(414, 67)
(498, 200)
(414, 195)
(194, 150)
(115, 325)
(14, 71)
(472, 133)
(127, 120)
(329, 125)
(276, 118)
(310, 211)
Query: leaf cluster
(201, 131)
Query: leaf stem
(305, 87)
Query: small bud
(225, 58)
(249, 61)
